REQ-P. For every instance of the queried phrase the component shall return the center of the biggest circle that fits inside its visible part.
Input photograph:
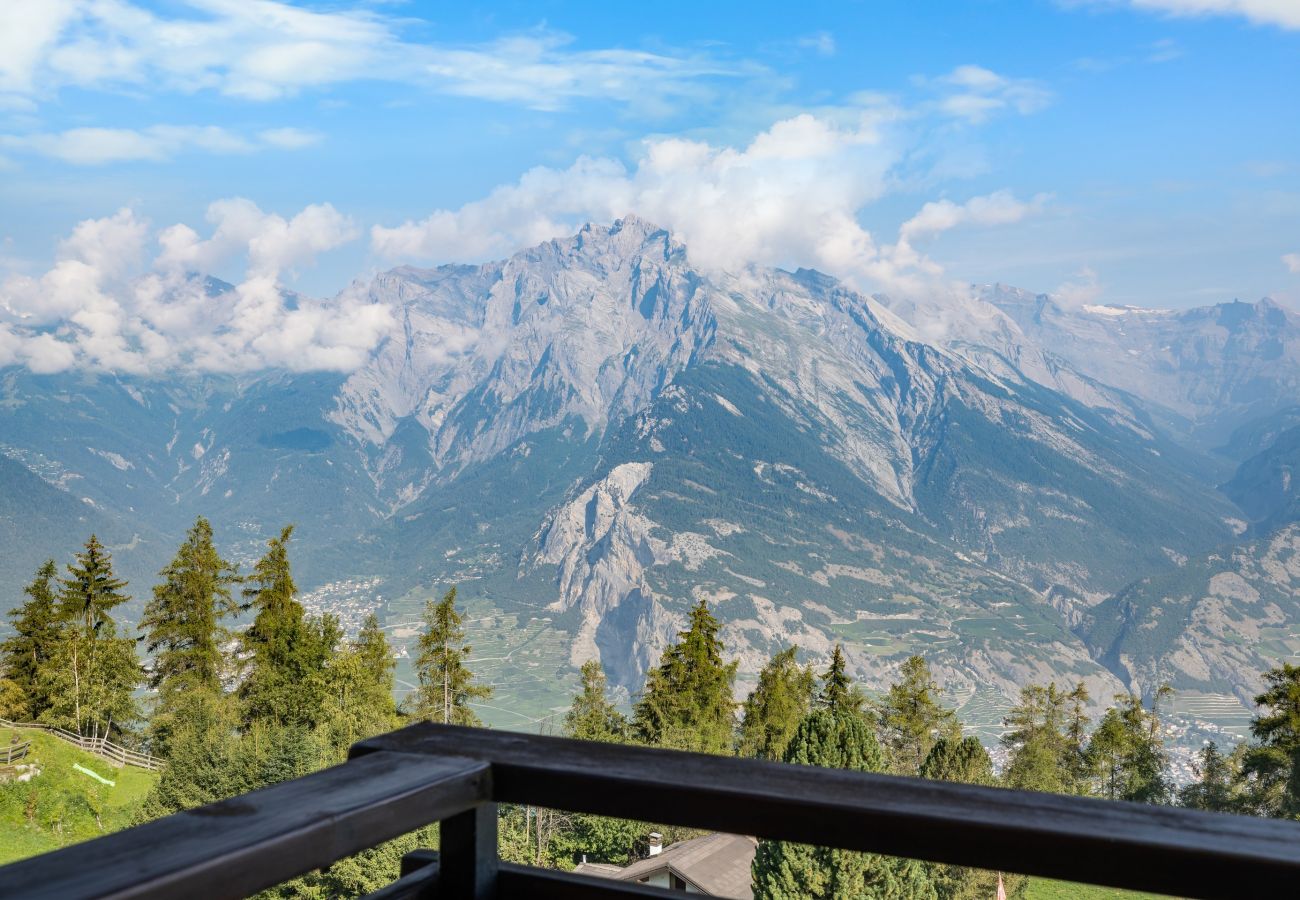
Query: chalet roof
(717, 864)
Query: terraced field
(1223, 710)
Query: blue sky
(1127, 151)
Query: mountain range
(595, 433)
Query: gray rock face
(597, 429)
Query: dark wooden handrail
(425, 773)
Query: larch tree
(93, 674)
(446, 684)
(360, 688)
(912, 719)
(776, 706)
(1037, 740)
(183, 631)
(1216, 788)
(30, 649)
(687, 702)
(1127, 752)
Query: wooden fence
(443, 773)
(14, 752)
(102, 747)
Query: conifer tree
(286, 654)
(965, 760)
(446, 684)
(1128, 752)
(1216, 786)
(838, 690)
(1037, 741)
(182, 628)
(360, 688)
(92, 675)
(31, 647)
(911, 718)
(592, 717)
(837, 736)
(1271, 768)
(777, 705)
(687, 703)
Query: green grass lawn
(1042, 889)
(62, 806)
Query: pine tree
(92, 673)
(182, 627)
(687, 702)
(31, 647)
(912, 719)
(592, 717)
(285, 654)
(777, 705)
(446, 685)
(836, 737)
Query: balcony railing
(427, 773)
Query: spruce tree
(836, 737)
(92, 673)
(912, 719)
(592, 717)
(285, 654)
(446, 684)
(687, 703)
(838, 690)
(182, 628)
(777, 705)
(31, 647)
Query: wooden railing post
(468, 854)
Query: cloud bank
(261, 50)
(106, 305)
(792, 196)
(1281, 13)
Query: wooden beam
(468, 842)
(237, 847)
(1155, 848)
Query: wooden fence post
(468, 854)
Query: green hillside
(62, 806)
(1043, 889)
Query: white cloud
(290, 138)
(102, 146)
(791, 197)
(1292, 262)
(263, 49)
(1282, 13)
(101, 306)
(975, 93)
(97, 146)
